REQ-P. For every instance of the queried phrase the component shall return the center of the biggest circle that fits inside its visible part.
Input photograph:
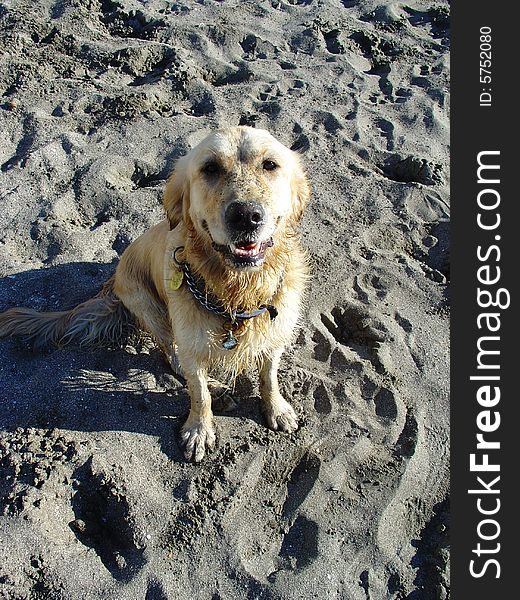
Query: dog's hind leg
(152, 317)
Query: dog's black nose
(244, 216)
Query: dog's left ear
(301, 192)
(177, 193)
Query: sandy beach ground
(98, 98)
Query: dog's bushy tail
(102, 320)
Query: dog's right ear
(301, 191)
(177, 193)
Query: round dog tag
(176, 279)
(230, 342)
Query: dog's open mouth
(245, 253)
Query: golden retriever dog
(217, 284)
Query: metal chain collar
(211, 304)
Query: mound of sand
(99, 98)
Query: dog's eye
(269, 165)
(211, 168)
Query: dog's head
(239, 190)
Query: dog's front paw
(196, 437)
(280, 415)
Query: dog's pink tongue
(245, 246)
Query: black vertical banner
(485, 324)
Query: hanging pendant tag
(230, 342)
(176, 279)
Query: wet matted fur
(233, 204)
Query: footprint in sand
(104, 522)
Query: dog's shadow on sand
(91, 389)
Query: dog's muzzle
(244, 222)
